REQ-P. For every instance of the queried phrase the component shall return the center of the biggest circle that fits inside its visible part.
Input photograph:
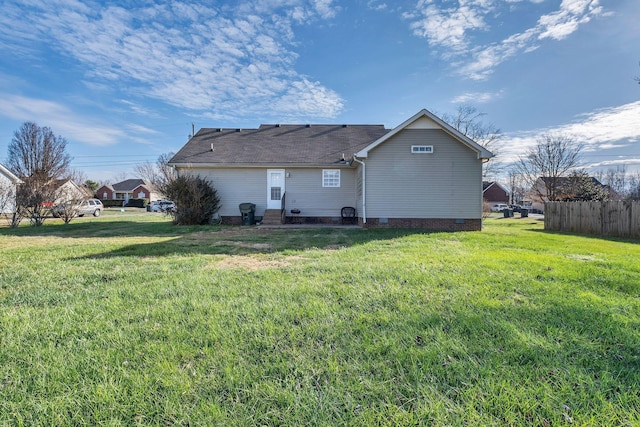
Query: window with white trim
(422, 149)
(331, 178)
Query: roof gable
(128, 185)
(10, 175)
(488, 184)
(424, 119)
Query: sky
(126, 81)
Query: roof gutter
(364, 189)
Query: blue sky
(123, 81)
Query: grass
(128, 320)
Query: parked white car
(499, 207)
(87, 207)
(162, 206)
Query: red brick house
(493, 192)
(128, 189)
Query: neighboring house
(68, 190)
(128, 189)
(8, 185)
(422, 174)
(565, 189)
(493, 192)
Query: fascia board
(10, 174)
(261, 165)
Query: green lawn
(128, 320)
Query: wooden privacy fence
(619, 219)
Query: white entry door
(275, 188)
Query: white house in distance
(8, 185)
(421, 174)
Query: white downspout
(364, 190)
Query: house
(128, 189)
(423, 173)
(493, 192)
(566, 188)
(67, 190)
(8, 185)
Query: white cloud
(59, 118)
(375, 5)
(615, 162)
(194, 56)
(449, 27)
(453, 29)
(475, 97)
(600, 130)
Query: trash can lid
(247, 206)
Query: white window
(422, 149)
(331, 178)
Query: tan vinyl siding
(444, 184)
(303, 189)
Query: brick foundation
(436, 224)
(439, 224)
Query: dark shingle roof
(278, 144)
(567, 180)
(128, 185)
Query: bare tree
(7, 201)
(159, 174)
(34, 198)
(580, 186)
(68, 197)
(39, 158)
(634, 187)
(121, 176)
(468, 121)
(517, 187)
(553, 157)
(616, 180)
(37, 151)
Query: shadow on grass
(204, 239)
(586, 236)
(98, 227)
(234, 240)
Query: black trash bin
(524, 213)
(248, 213)
(508, 213)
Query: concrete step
(272, 217)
